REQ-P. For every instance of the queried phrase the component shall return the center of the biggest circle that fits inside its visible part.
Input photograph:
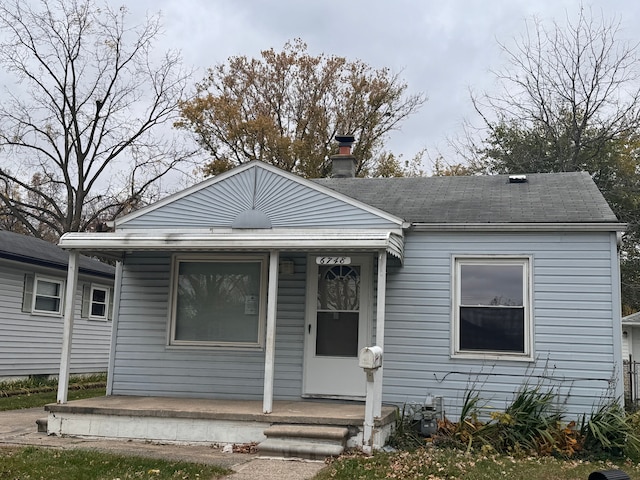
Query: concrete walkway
(18, 427)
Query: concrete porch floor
(312, 412)
(192, 420)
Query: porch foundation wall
(211, 422)
(156, 429)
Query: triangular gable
(259, 191)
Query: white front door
(339, 306)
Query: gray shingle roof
(22, 248)
(544, 198)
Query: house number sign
(333, 260)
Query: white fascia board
(295, 240)
(519, 227)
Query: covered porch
(309, 428)
(256, 286)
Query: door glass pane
(337, 334)
(339, 288)
(338, 310)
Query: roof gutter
(306, 240)
(519, 227)
(21, 259)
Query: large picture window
(492, 312)
(218, 301)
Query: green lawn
(44, 464)
(445, 464)
(40, 399)
(421, 464)
(38, 391)
(49, 464)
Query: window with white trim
(492, 311)
(97, 302)
(47, 296)
(218, 300)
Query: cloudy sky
(441, 48)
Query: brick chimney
(343, 164)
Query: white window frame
(262, 303)
(106, 289)
(526, 262)
(61, 283)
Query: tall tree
(570, 101)
(78, 127)
(286, 107)
(570, 88)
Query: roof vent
(517, 179)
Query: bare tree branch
(90, 95)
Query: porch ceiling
(291, 240)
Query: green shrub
(609, 430)
(529, 424)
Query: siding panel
(287, 203)
(31, 344)
(573, 325)
(145, 365)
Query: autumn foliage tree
(285, 108)
(78, 128)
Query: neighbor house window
(218, 300)
(47, 296)
(97, 302)
(492, 311)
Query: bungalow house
(258, 289)
(33, 273)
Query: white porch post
(380, 314)
(270, 345)
(67, 333)
(114, 326)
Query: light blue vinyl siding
(287, 203)
(573, 344)
(572, 315)
(144, 365)
(31, 344)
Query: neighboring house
(631, 356)
(261, 285)
(631, 337)
(33, 274)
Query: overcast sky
(441, 48)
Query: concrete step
(303, 441)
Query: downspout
(67, 332)
(114, 327)
(270, 343)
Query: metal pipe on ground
(609, 475)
